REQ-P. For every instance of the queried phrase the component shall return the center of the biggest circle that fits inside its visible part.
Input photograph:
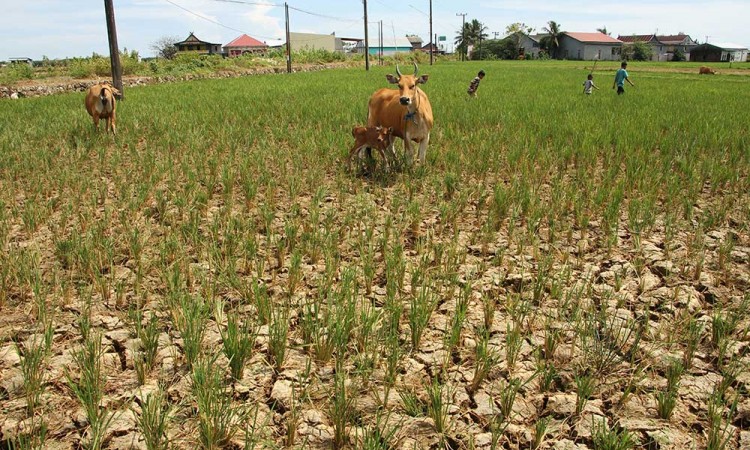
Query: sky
(70, 28)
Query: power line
(339, 19)
(280, 5)
(216, 22)
(277, 5)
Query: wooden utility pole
(114, 51)
(367, 40)
(288, 44)
(432, 44)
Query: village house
(589, 46)
(311, 41)
(243, 45)
(529, 45)
(390, 46)
(718, 52)
(193, 44)
(663, 47)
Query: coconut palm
(552, 41)
(472, 33)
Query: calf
(706, 71)
(378, 138)
(100, 103)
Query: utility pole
(464, 44)
(380, 43)
(432, 44)
(367, 40)
(114, 51)
(495, 33)
(288, 44)
(480, 41)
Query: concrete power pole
(288, 44)
(114, 51)
(432, 43)
(463, 38)
(367, 40)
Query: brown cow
(406, 110)
(100, 103)
(378, 138)
(706, 71)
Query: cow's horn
(398, 71)
(416, 69)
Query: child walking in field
(621, 77)
(588, 85)
(474, 85)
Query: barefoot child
(621, 77)
(474, 85)
(588, 85)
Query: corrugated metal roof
(637, 38)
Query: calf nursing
(100, 104)
(378, 138)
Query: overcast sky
(66, 28)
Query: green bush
(16, 72)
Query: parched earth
(556, 313)
(652, 290)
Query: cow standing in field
(100, 104)
(406, 110)
(706, 71)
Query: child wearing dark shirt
(474, 85)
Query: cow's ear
(423, 79)
(391, 79)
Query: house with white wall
(589, 46)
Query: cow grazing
(100, 103)
(706, 71)
(406, 110)
(378, 138)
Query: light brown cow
(378, 138)
(706, 71)
(100, 103)
(406, 110)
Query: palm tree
(473, 33)
(603, 30)
(552, 41)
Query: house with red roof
(244, 44)
(663, 47)
(589, 46)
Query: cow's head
(407, 84)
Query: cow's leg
(355, 149)
(408, 149)
(96, 122)
(389, 149)
(385, 160)
(111, 121)
(423, 148)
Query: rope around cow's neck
(413, 115)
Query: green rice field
(563, 272)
